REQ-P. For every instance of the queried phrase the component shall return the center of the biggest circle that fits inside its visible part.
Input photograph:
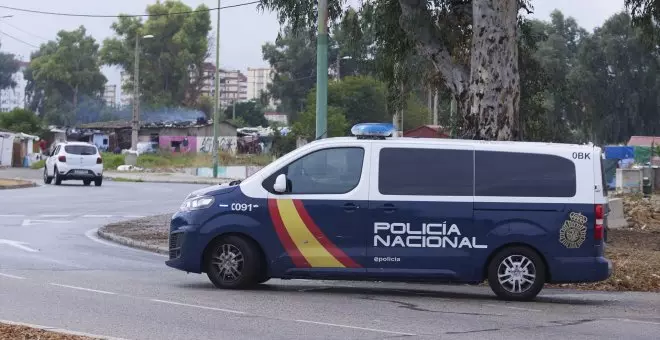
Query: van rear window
(510, 174)
(84, 150)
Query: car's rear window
(80, 150)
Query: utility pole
(216, 101)
(322, 71)
(233, 110)
(135, 123)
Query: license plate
(80, 171)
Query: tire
(247, 272)
(87, 182)
(528, 263)
(98, 181)
(58, 179)
(47, 179)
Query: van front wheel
(516, 273)
(233, 263)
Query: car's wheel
(58, 178)
(47, 179)
(516, 273)
(233, 262)
(98, 181)
(87, 182)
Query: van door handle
(350, 207)
(388, 207)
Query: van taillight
(62, 159)
(99, 160)
(600, 217)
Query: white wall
(6, 147)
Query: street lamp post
(216, 100)
(135, 124)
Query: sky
(243, 30)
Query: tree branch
(417, 22)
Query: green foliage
(8, 66)
(40, 164)
(415, 114)
(305, 127)
(63, 74)
(111, 160)
(205, 104)
(283, 144)
(20, 120)
(250, 113)
(180, 44)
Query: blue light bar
(373, 130)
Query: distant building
(13, 98)
(257, 82)
(110, 95)
(125, 97)
(233, 87)
(208, 83)
(276, 117)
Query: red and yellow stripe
(302, 239)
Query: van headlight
(196, 203)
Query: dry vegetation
(12, 332)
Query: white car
(74, 161)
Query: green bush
(38, 164)
(111, 161)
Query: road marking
(515, 308)
(97, 216)
(38, 222)
(18, 244)
(197, 306)
(54, 215)
(60, 330)
(12, 276)
(634, 321)
(12, 215)
(93, 235)
(355, 327)
(133, 216)
(81, 288)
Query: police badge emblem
(574, 231)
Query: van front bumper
(580, 269)
(183, 251)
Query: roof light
(373, 130)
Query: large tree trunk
(488, 95)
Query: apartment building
(110, 95)
(233, 87)
(125, 97)
(12, 98)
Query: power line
(24, 31)
(17, 39)
(124, 15)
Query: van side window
(433, 172)
(511, 174)
(327, 171)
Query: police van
(372, 207)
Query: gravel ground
(11, 332)
(152, 230)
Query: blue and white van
(372, 207)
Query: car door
(420, 210)
(320, 219)
(50, 161)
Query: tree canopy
(172, 63)
(8, 66)
(20, 120)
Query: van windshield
(84, 150)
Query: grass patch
(198, 160)
(111, 161)
(123, 179)
(38, 164)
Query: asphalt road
(61, 275)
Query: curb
(59, 330)
(18, 186)
(143, 180)
(129, 242)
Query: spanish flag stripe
(306, 242)
(291, 249)
(324, 240)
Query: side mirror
(280, 184)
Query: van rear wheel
(516, 273)
(233, 262)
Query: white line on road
(37, 222)
(355, 327)
(81, 288)
(54, 215)
(12, 276)
(633, 321)
(19, 245)
(133, 216)
(97, 216)
(515, 308)
(197, 306)
(12, 215)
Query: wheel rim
(228, 262)
(516, 274)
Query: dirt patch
(635, 257)
(11, 332)
(14, 183)
(152, 230)
(642, 213)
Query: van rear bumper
(580, 269)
